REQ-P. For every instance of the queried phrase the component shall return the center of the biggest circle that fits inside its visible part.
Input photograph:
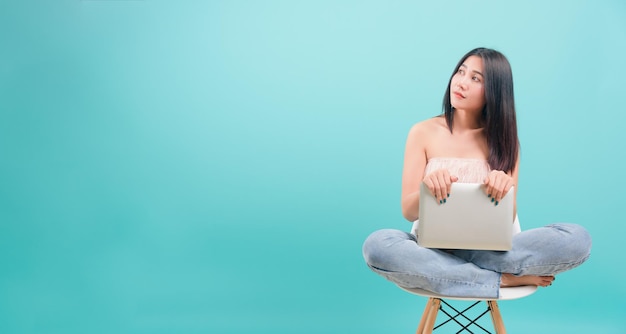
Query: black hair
(498, 115)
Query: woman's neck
(466, 120)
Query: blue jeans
(544, 251)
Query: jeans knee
(377, 246)
(372, 248)
(578, 240)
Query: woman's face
(467, 89)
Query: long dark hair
(498, 116)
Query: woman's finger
(504, 183)
(432, 182)
(497, 192)
(446, 184)
(508, 187)
(489, 189)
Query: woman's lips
(459, 95)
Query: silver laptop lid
(468, 219)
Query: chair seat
(505, 293)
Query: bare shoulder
(427, 128)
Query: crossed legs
(537, 255)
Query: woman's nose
(462, 83)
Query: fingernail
(497, 202)
(492, 199)
(448, 195)
(489, 195)
(440, 201)
(444, 200)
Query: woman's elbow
(410, 206)
(408, 215)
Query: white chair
(437, 302)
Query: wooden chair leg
(430, 315)
(420, 328)
(496, 317)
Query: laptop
(468, 219)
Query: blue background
(214, 166)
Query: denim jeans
(544, 251)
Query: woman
(475, 140)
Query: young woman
(475, 141)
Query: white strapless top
(467, 170)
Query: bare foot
(512, 280)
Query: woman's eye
(475, 78)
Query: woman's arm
(413, 171)
(438, 182)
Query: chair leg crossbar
(461, 313)
(427, 323)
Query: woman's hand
(497, 184)
(439, 183)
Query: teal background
(214, 166)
